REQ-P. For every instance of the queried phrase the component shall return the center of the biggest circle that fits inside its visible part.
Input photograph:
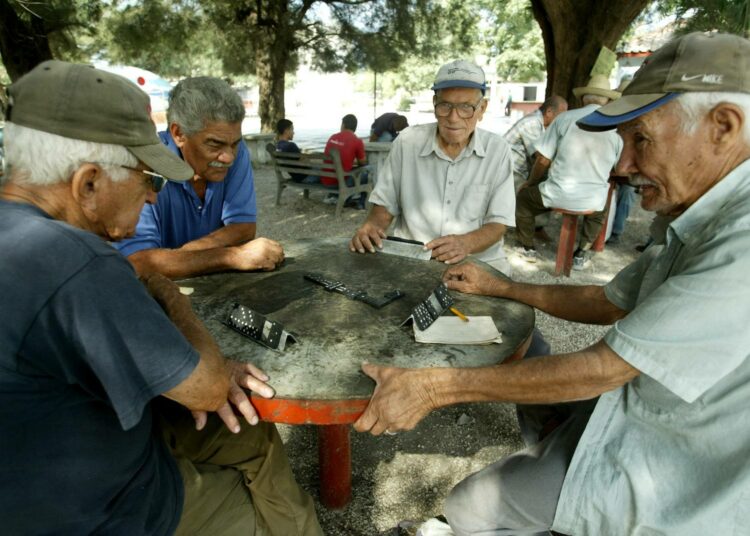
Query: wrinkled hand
(471, 279)
(401, 399)
(241, 376)
(449, 249)
(259, 254)
(367, 238)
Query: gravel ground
(408, 476)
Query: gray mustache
(218, 165)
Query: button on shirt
(581, 162)
(431, 195)
(668, 453)
(179, 216)
(521, 138)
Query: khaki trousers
(234, 483)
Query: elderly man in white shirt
(579, 164)
(447, 184)
(664, 446)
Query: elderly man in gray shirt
(663, 447)
(447, 184)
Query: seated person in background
(98, 377)
(351, 149)
(387, 127)
(207, 224)
(448, 184)
(284, 144)
(577, 164)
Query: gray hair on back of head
(196, 101)
(40, 158)
(594, 99)
(694, 105)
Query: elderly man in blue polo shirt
(660, 443)
(207, 224)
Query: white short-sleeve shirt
(431, 195)
(581, 162)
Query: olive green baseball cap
(83, 103)
(697, 62)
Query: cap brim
(625, 109)
(163, 161)
(458, 83)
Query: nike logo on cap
(706, 78)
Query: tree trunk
(574, 32)
(271, 59)
(22, 45)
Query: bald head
(551, 108)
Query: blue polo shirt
(179, 216)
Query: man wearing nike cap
(106, 382)
(658, 442)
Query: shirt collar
(700, 214)
(168, 141)
(476, 144)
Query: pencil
(459, 314)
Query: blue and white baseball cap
(460, 73)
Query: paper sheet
(404, 249)
(453, 330)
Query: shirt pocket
(473, 204)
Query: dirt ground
(408, 476)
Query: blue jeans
(625, 197)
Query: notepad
(453, 330)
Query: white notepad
(453, 330)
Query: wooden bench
(317, 165)
(569, 229)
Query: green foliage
(729, 16)
(513, 37)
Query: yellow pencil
(459, 314)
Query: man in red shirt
(350, 148)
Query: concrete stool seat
(569, 230)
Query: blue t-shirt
(83, 351)
(179, 216)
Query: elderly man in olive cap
(660, 442)
(579, 164)
(89, 355)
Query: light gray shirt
(431, 195)
(669, 452)
(521, 138)
(581, 162)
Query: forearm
(540, 167)
(179, 263)
(379, 217)
(544, 380)
(585, 304)
(484, 237)
(229, 235)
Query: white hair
(40, 158)
(693, 107)
(588, 98)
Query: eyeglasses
(464, 110)
(156, 181)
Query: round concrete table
(318, 380)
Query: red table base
(334, 419)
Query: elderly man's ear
(728, 125)
(86, 186)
